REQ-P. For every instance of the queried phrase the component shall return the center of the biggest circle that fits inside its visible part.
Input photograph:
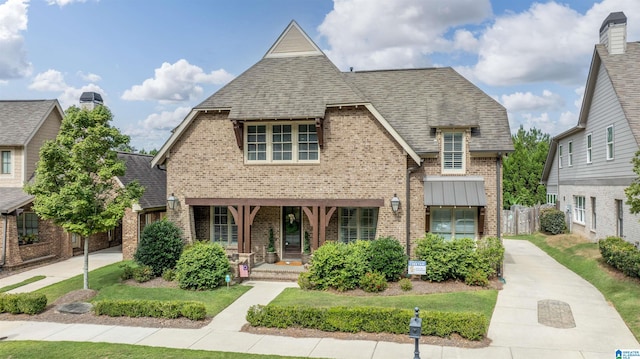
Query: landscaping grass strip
(583, 258)
(65, 350)
(23, 283)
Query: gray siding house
(589, 165)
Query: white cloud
(50, 80)
(465, 40)
(62, 3)
(548, 42)
(527, 101)
(367, 34)
(71, 95)
(90, 77)
(176, 82)
(13, 56)
(156, 127)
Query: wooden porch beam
(325, 218)
(290, 202)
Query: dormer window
(290, 142)
(453, 152)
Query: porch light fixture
(395, 203)
(171, 202)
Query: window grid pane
(257, 143)
(610, 142)
(225, 231)
(348, 225)
(589, 148)
(453, 151)
(307, 142)
(6, 162)
(578, 213)
(282, 145)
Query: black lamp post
(415, 331)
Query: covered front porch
(243, 225)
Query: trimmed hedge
(150, 308)
(472, 326)
(23, 303)
(621, 254)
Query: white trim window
(578, 209)
(27, 223)
(610, 139)
(453, 152)
(559, 156)
(552, 198)
(291, 142)
(223, 227)
(357, 223)
(454, 222)
(593, 214)
(588, 141)
(570, 154)
(5, 161)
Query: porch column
(312, 214)
(238, 218)
(325, 218)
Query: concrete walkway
(531, 276)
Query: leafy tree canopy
(523, 169)
(75, 183)
(633, 191)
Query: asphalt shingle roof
(12, 198)
(20, 119)
(153, 179)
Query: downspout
(498, 207)
(408, 205)
(4, 241)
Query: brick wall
(129, 234)
(359, 160)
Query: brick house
(297, 146)
(150, 207)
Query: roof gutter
(408, 205)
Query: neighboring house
(297, 146)
(150, 207)
(589, 165)
(26, 239)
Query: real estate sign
(417, 267)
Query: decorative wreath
(291, 225)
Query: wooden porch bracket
(244, 216)
(325, 218)
(320, 131)
(238, 126)
(312, 214)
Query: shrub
(202, 266)
(143, 274)
(388, 257)
(339, 265)
(461, 258)
(169, 274)
(23, 303)
(160, 246)
(405, 284)
(304, 281)
(127, 271)
(471, 326)
(373, 282)
(621, 254)
(150, 308)
(552, 221)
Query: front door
(292, 230)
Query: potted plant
(271, 256)
(306, 249)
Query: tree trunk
(86, 262)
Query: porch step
(276, 272)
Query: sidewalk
(531, 276)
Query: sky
(154, 60)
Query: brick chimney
(613, 33)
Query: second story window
(559, 156)
(570, 154)
(5, 165)
(282, 143)
(610, 142)
(452, 152)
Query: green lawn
(584, 259)
(23, 283)
(65, 350)
(106, 281)
(482, 301)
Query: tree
(523, 169)
(75, 184)
(633, 191)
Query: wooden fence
(521, 220)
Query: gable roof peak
(293, 42)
